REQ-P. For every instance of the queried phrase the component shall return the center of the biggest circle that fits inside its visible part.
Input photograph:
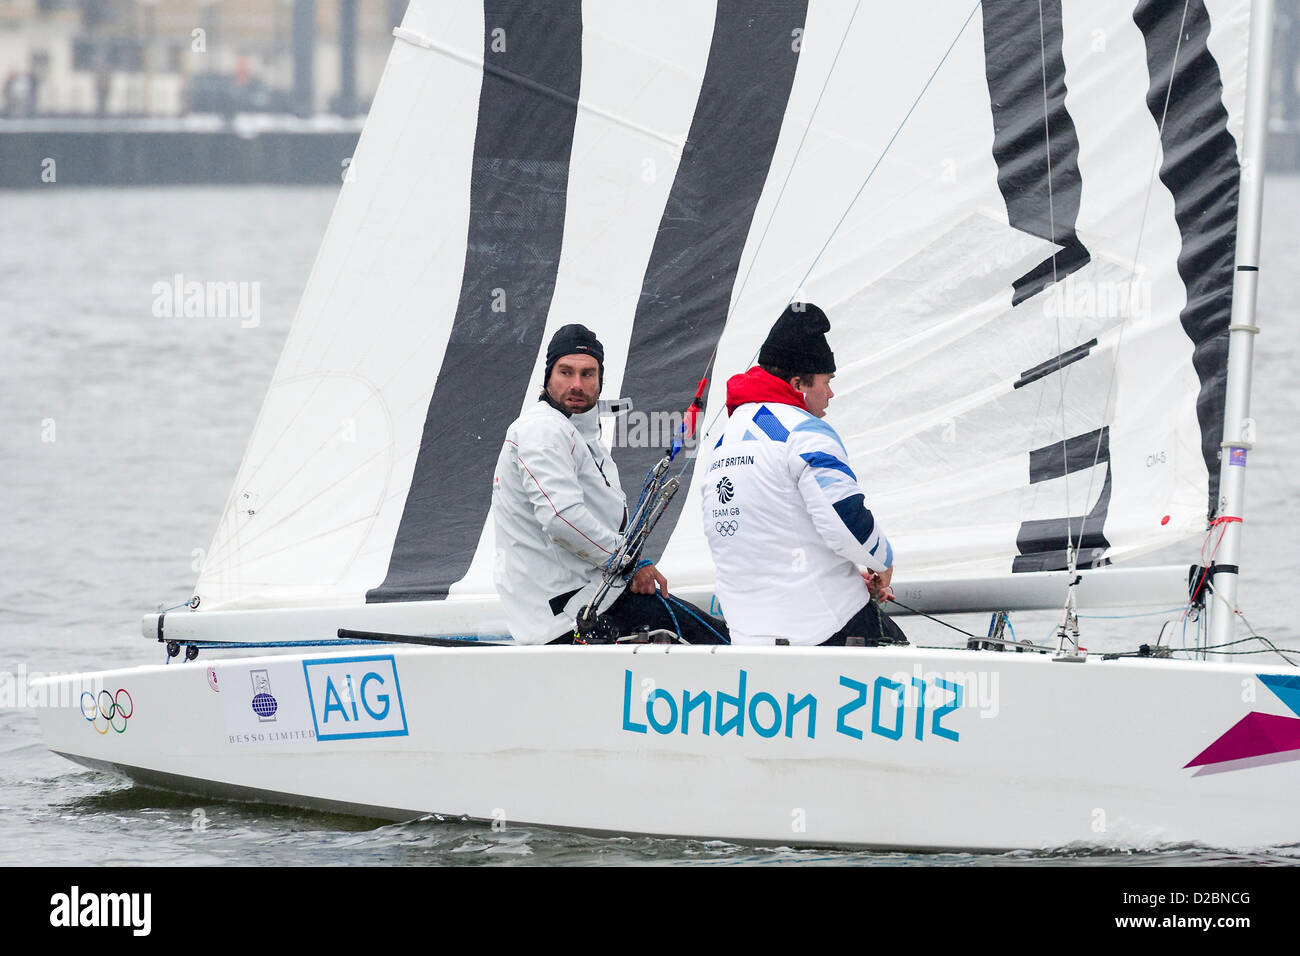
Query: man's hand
(878, 584)
(644, 581)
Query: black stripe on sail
(1045, 369)
(1043, 543)
(706, 220)
(526, 118)
(1066, 457)
(1042, 199)
(1199, 167)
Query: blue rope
(687, 608)
(676, 627)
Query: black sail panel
(1044, 544)
(1037, 157)
(1199, 167)
(527, 112)
(697, 250)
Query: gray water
(121, 432)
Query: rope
(936, 620)
(1122, 617)
(1203, 581)
(677, 628)
(1280, 651)
(687, 608)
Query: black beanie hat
(797, 343)
(573, 340)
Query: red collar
(759, 386)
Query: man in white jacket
(559, 513)
(784, 516)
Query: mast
(1238, 428)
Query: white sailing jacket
(787, 525)
(558, 511)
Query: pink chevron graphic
(1255, 735)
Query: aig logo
(355, 697)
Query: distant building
(170, 57)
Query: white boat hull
(832, 746)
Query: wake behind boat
(1038, 292)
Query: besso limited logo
(355, 697)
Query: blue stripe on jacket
(770, 424)
(853, 512)
(819, 459)
(821, 428)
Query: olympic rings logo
(726, 528)
(110, 708)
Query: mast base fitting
(1076, 656)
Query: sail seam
(424, 43)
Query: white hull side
(1047, 754)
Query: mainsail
(1020, 218)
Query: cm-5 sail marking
(706, 221)
(519, 187)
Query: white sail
(672, 176)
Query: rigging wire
(776, 205)
(790, 172)
(1070, 551)
(857, 195)
(885, 152)
(771, 217)
(1137, 249)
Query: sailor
(559, 513)
(799, 557)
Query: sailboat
(1035, 227)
